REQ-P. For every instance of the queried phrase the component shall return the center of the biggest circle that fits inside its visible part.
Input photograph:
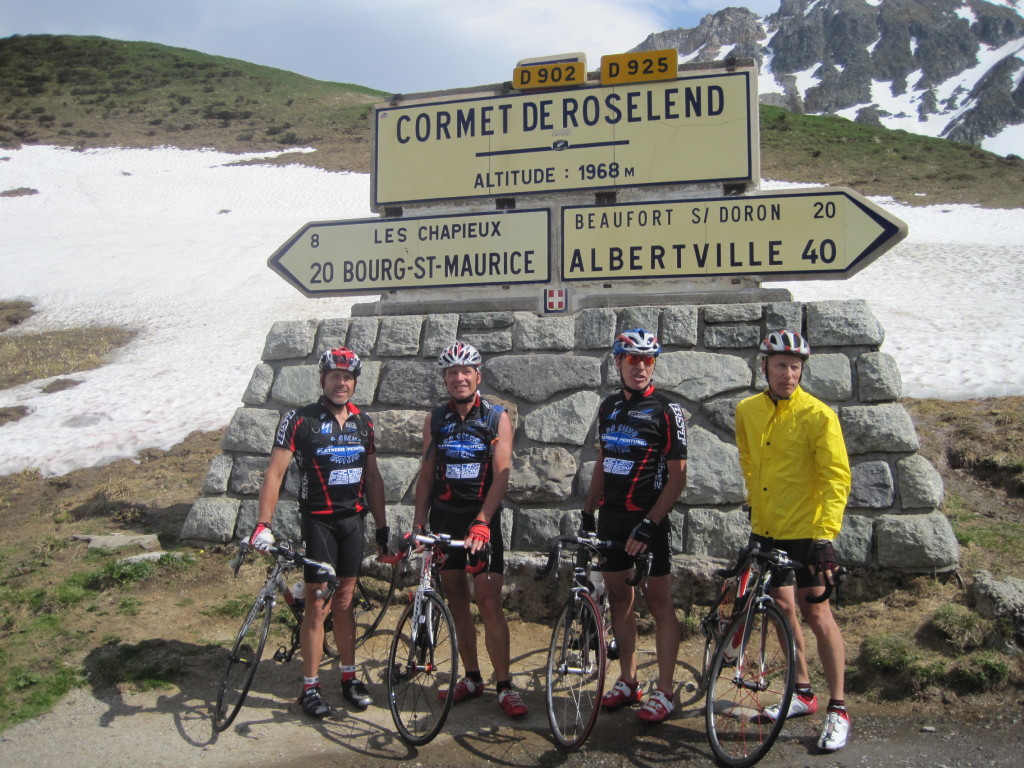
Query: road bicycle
(423, 665)
(581, 641)
(749, 658)
(374, 594)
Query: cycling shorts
(336, 540)
(799, 550)
(617, 526)
(456, 523)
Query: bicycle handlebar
(778, 559)
(643, 561)
(287, 551)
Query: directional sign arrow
(369, 256)
(819, 233)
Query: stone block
(714, 533)
(920, 484)
(679, 326)
(211, 519)
(828, 377)
(297, 385)
(438, 332)
(878, 378)
(698, 376)
(412, 384)
(872, 485)
(486, 321)
(541, 475)
(216, 480)
(732, 336)
(595, 329)
(853, 544)
(638, 317)
(722, 413)
(490, 342)
(842, 323)
(550, 334)
(877, 428)
(732, 313)
(564, 421)
(251, 430)
(916, 543)
(398, 473)
(713, 473)
(247, 474)
(784, 315)
(286, 520)
(362, 334)
(366, 387)
(399, 431)
(399, 336)
(290, 339)
(259, 385)
(534, 527)
(536, 378)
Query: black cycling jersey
(464, 450)
(331, 457)
(637, 437)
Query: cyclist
(797, 474)
(332, 442)
(639, 474)
(467, 455)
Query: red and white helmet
(340, 359)
(459, 353)
(785, 343)
(636, 342)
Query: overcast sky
(399, 46)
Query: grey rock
(490, 342)
(362, 334)
(399, 335)
(216, 480)
(881, 428)
(679, 326)
(916, 543)
(486, 321)
(412, 384)
(722, 413)
(732, 313)
(712, 470)
(698, 376)
(878, 378)
(828, 377)
(595, 329)
(872, 485)
(290, 339)
(247, 474)
(551, 334)
(251, 430)
(541, 475)
(840, 323)
(732, 336)
(564, 421)
(398, 474)
(639, 317)
(399, 431)
(438, 332)
(259, 385)
(211, 518)
(853, 544)
(784, 315)
(920, 483)
(534, 527)
(286, 520)
(714, 533)
(297, 385)
(1000, 599)
(536, 378)
(366, 387)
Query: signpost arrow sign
(818, 233)
(367, 256)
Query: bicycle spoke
(744, 683)
(576, 665)
(422, 666)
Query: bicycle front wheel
(750, 686)
(575, 671)
(422, 667)
(243, 661)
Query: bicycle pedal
(282, 655)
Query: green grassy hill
(91, 91)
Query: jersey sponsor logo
(617, 466)
(351, 426)
(346, 453)
(680, 423)
(647, 415)
(282, 428)
(468, 447)
(462, 471)
(349, 476)
(447, 428)
(622, 439)
(325, 428)
(613, 414)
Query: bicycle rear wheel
(575, 671)
(375, 593)
(422, 667)
(243, 661)
(760, 675)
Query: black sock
(836, 705)
(501, 685)
(804, 689)
(475, 676)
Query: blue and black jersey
(331, 457)
(637, 437)
(463, 469)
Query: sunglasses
(644, 360)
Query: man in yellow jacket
(797, 475)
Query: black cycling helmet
(636, 342)
(340, 359)
(785, 343)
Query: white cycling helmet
(636, 342)
(459, 353)
(785, 343)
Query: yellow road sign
(818, 233)
(369, 256)
(702, 127)
(639, 67)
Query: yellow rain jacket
(794, 463)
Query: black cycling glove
(644, 531)
(383, 537)
(824, 556)
(588, 523)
